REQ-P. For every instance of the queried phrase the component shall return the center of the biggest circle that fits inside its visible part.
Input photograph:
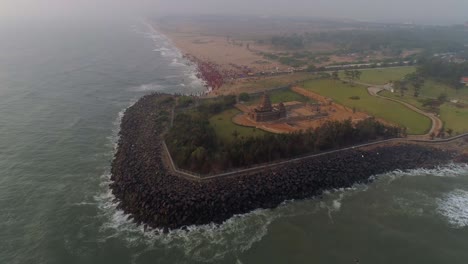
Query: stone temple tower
(265, 104)
(265, 112)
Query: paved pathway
(437, 124)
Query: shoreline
(156, 198)
(221, 62)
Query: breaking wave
(450, 170)
(454, 207)
(213, 242)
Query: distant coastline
(154, 196)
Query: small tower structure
(265, 112)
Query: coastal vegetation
(436, 98)
(225, 129)
(435, 87)
(202, 149)
(378, 107)
(155, 196)
(391, 42)
(443, 71)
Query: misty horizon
(398, 11)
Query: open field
(381, 108)
(433, 89)
(257, 84)
(224, 127)
(383, 76)
(407, 98)
(454, 117)
(281, 96)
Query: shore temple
(265, 112)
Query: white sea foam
(212, 242)
(202, 243)
(454, 207)
(148, 87)
(450, 170)
(168, 50)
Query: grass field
(256, 84)
(224, 127)
(383, 76)
(278, 96)
(452, 116)
(391, 111)
(434, 89)
(407, 98)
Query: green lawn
(434, 89)
(256, 84)
(224, 127)
(383, 76)
(409, 98)
(285, 95)
(391, 111)
(453, 117)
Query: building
(464, 80)
(265, 112)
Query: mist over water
(63, 90)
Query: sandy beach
(222, 61)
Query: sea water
(63, 90)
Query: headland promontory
(154, 195)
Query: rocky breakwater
(146, 190)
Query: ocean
(63, 90)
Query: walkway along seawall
(259, 167)
(157, 196)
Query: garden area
(357, 97)
(382, 76)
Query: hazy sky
(423, 11)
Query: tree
(449, 131)
(441, 133)
(335, 75)
(235, 134)
(311, 68)
(400, 86)
(357, 75)
(244, 97)
(348, 74)
(417, 81)
(442, 98)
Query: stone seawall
(147, 191)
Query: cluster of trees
(392, 41)
(443, 71)
(215, 106)
(285, 59)
(194, 145)
(415, 79)
(353, 74)
(293, 41)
